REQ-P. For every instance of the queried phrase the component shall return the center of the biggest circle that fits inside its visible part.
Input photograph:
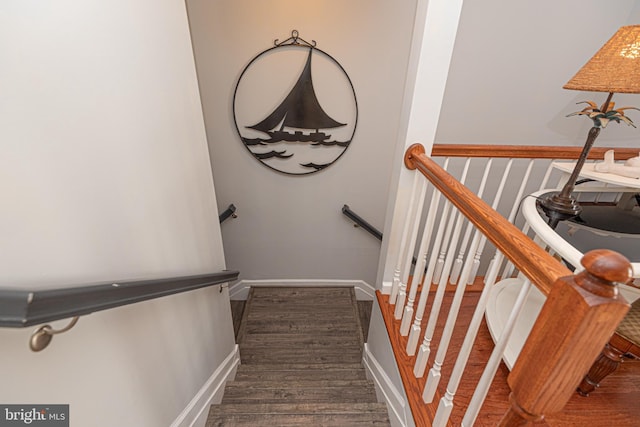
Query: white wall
(105, 176)
(291, 227)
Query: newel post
(577, 320)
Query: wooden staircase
(301, 352)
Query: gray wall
(104, 176)
(510, 62)
(505, 86)
(291, 227)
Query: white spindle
(403, 240)
(457, 265)
(434, 373)
(547, 174)
(597, 196)
(508, 269)
(438, 271)
(494, 360)
(446, 402)
(419, 271)
(404, 279)
(425, 348)
(503, 181)
(474, 252)
(494, 206)
(414, 334)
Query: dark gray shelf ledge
(22, 307)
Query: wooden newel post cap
(414, 149)
(608, 266)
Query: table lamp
(614, 68)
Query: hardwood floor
(615, 403)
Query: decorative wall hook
(294, 40)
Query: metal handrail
(229, 212)
(24, 307)
(360, 222)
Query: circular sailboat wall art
(295, 108)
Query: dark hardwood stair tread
(301, 363)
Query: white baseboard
(196, 412)
(399, 412)
(364, 291)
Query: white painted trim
(386, 288)
(196, 412)
(399, 413)
(364, 291)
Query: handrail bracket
(41, 337)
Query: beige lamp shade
(615, 67)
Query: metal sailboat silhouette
(299, 110)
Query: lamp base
(559, 208)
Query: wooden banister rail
(527, 151)
(579, 317)
(532, 260)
